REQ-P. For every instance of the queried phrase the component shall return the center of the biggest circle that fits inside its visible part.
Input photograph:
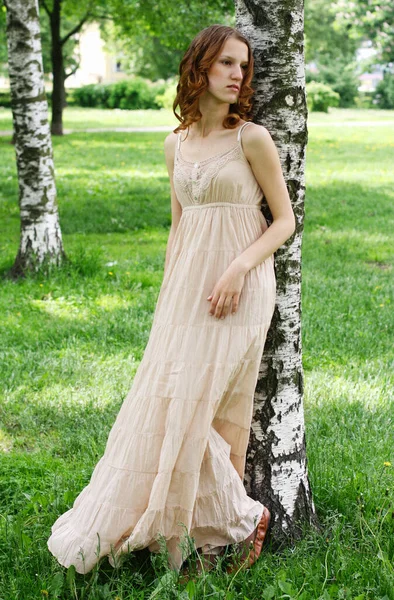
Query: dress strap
(241, 128)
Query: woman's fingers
(235, 303)
(220, 307)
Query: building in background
(97, 65)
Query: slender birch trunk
(276, 469)
(41, 238)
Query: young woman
(174, 461)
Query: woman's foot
(253, 544)
(204, 562)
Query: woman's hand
(227, 291)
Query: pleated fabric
(174, 460)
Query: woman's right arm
(176, 208)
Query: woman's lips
(233, 87)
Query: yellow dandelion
(127, 272)
(110, 273)
(387, 464)
(41, 284)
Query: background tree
(41, 239)
(56, 10)
(276, 469)
(332, 50)
(368, 20)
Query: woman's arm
(176, 208)
(262, 154)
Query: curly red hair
(193, 77)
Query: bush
(167, 97)
(364, 100)
(94, 95)
(131, 94)
(341, 77)
(384, 93)
(320, 97)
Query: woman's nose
(238, 73)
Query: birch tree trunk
(276, 469)
(41, 239)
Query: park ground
(70, 345)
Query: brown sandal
(250, 555)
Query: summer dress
(175, 457)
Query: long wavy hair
(193, 77)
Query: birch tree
(40, 238)
(276, 466)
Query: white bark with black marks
(41, 238)
(276, 469)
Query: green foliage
(166, 99)
(340, 76)
(139, 53)
(92, 95)
(365, 100)
(367, 20)
(132, 94)
(320, 97)
(5, 99)
(384, 93)
(325, 43)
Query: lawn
(70, 346)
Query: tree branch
(72, 72)
(46, 8)
(76, 28)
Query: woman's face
(228, 69)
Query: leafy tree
(332, 50)
(60, 14)
(152, 36)
(368, 20)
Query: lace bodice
(193, 179)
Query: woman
(174, 461)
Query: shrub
(341, 77)
(384, 93)
(131, 94)
(320, 97)
(167, 97)
(364, 100)
(94, 95)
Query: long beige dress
(175, 456)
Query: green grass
(70, 346)
(78, 119)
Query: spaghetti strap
(241, 128)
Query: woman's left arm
(263, 157)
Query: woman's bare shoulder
(169, 148)
(170, 140)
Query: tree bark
(58, 88)
(276, 469)
(41, 239)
